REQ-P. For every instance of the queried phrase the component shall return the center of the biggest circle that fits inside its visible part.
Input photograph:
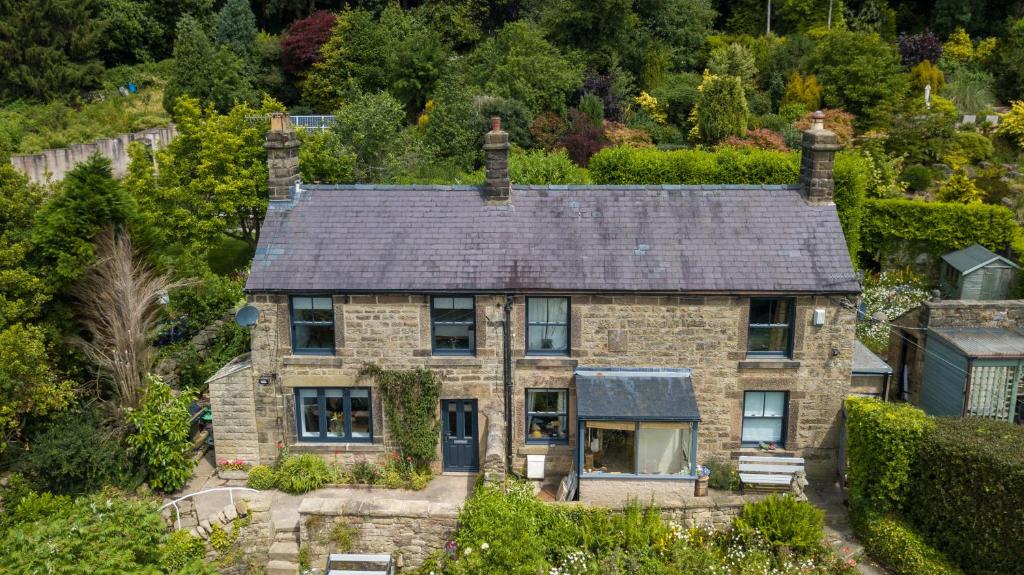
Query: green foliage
(593, 108)
(923, 134)
(883, 441)
(519, 64)
(970, 89)
(73, 455)
(22, 291)
(207, 299)
(410, 403)
(721, 109)
(890, 293)
(183, 552)
(213, 75)
(88, 200)
(804, 91)
(973, 146)
(195, 367)
(884, 180)
(724, 475)
(236, 30)
(960, 188)
(102, 534)
(261, 477)
(678, 94)
(29, 386)
(303, 473)
(161, 437)
(927, 74)
(942, 227)
(540, 167)
(324, 159)
(733, 60)
(1007, 63)
(624, 165)
(782, 521)
(978, 488)
(515, 119)
(371, 127)
(893, 543)
(1012, 123)
(366, 473)
(858, 72)
(452, 125)
(49, 48)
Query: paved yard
(837, 526)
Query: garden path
(838, 531)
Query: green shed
(975, 273)
(974, 372)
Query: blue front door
(458, 435)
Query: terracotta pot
(700, 487)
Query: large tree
(49, 48)
(201, 70)
(236, 30)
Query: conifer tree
(236, 30)
(213, 75)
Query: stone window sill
(546, 362)
(332, 447)
(453, 361)
(543, 449)
(316, 360)
(768, 363)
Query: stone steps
(282, 568)
(284, 551)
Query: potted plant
(700, 486)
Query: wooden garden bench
(383, 564)
(769, 472)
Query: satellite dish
(247, 316)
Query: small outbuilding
(974, 372)
(975, 273)
(870, 377)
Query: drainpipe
(507, 375)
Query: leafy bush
(678, 94)
(303, 473)
(206, 301)
(783, 522)
(410, 403)
(959, 187)
(161, 436)
(883, 439)
(301, 45)
(366, 473)
(515, 119)
(917, 177)
(721, 110)
(624, 165)
(838, 121)
(894, 544)
(942, 227)
(724, 474)
(261, 477)
(194, 367)
(760, 139)
(582, 140)
(970, 90)
(72, 455)
(803, 91)
(540, 167)
(973, 146)
(547, 129)
(978, 489)
(593, 108)
(1012, 124)
(182, 552)
(916, 48)
(323, 158)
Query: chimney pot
(498, 187)
(282, 147)
(818, 150)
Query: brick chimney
(498, 186)
(282, 157)
(818, 151)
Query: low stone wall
(608, 492)
(53, 164)
(412, 529)
(715, 511)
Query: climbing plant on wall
(410, 400)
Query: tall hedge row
(968, 494)
(942, 226)
(625, 165)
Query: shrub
(970, 90)
(883, 439)
(972, 505)
(301, 44)
(917, 177)
(73, 455)
(323, 158)
(891, 293)
(760, 139)
(623, 165)
(303, 473)
(540, 167)
(973, 146)
(916, 48)
(941, 227)
(838, 121)
(515, 118)
(959, 187)
(182, 552)
(261, 477)
(724, 474)
(410, 403)
(583, 140)
(894, 544)
(803, 91)
(782, 522)
(925, 73)
(366, 473)
(161, 437)
(547, 129)
(721, 109)
(1012, 124)
(593, 108)
(677, 95)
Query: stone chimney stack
(282, 157)
(818, 151)
(498, 186)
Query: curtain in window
(664, 448)
(309, 410)
(542, 313)
(763, 416)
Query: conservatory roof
(635, 393)
(866, 362)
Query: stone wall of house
(707, 335)
(412, 529)
(232, 403)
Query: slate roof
(973, 257)
(683, 239)
(612, 393)
(984, 341)
(866, 362)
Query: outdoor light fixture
(267, 379)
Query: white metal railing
(177, 510)
(305, 122)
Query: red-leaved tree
(301, 45)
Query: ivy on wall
(410, 400)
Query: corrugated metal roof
(635, 393)
(865, 362)
(972, 258)
(552, 238)
(983, 342)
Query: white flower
(467, 551)
(484, 546)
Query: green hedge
(968, 496)
(893, 543)
(941, 226)
(625, 165)
(882, 442)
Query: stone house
(627, 333)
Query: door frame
(473, 435)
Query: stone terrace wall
(413, 529)
(53, 164)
